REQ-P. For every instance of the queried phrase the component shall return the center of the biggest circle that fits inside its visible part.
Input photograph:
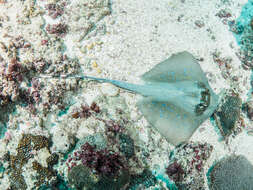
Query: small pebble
(94, 64)
(99, 71)
(199, 23)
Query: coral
(175, 172)
(52, 160)
(232, 173)
(53, 95)
(14, 72)
(57, 29)
(104, 162)
(126, 145)
(80, 176)
(35, 90)
(97, 140)
(11, 77)
(229, 113)
(86, 111)
(247, 107)
(83, 113)
(27, 148)
(101, 158)
(58, 184)
(55, 10)
(43, 174)
(186, 164)
(113, 127)
(106, 183)
(144, 180)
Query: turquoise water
(244, 19)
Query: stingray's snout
(204, 100)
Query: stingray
(176, 96)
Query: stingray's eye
(204, 101)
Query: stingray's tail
(121, 84)
(75, 77)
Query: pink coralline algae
(113, 127)
(32, 94)
(187, 161)
(86, 111)
(175, 171)
(12, 76)
(103, 162)
(15, 70)
(35, 90)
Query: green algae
(82, 177)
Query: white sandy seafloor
(126, 43)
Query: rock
(97, 140)
(232, 173)
(81, 176)
(229, 113)
(145, 180)
(62, 140)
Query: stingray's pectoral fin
(172, 122)
(175, 123)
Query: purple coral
(35, 90)
(14, 71)
(194, 155)
(103, 162)
(86, 111)
(113, 127)
(175, 172)
(83, 113)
